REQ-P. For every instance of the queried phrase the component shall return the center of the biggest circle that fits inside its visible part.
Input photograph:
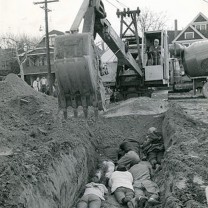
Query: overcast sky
(22, 16)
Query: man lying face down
(128, 156)
(93, 195)
(121, 186)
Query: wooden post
(48, 49)
(137, 37)
(45, 2)
(194, 86)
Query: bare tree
(21, 45)
(151, 21)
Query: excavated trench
(45, 161)
(72, 165)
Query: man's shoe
(153, 201)
(123, 201)
(141, 203)
(130, 204)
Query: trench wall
(62, 184)
(183, 177)
(49, 160)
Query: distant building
(36, 63)
(196, 30)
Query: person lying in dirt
(127, 156)
(121, 186)
(142, 184)
(153, 147)
(105, 169)
(93, 195)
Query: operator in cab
(154, 54)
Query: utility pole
(47, 42)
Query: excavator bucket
(77, 72)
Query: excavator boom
(115, 43)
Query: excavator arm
(115, 43)
(77, 60)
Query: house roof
(171, 35)
(205, 33)
(56, 32)
(199, 18)
(51, 33)
(38, 51)
(189, 28)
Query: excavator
(78, 63)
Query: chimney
(176, 28)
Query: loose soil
(184, 174)
(45, 161)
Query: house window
(200, 27)
(51, 41)
(203, 27)
(189, 35)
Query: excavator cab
(155, 59)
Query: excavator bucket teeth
(77, 73)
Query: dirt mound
(184, 174)
(139, 106)
(40, 154)
(196, 109)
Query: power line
(126, 18)
(114, 55)
(112, 4)
(117, 7)
(123, 5)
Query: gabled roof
(199, 18)
(204, 33)
(190, 28)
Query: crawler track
(184, 96)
